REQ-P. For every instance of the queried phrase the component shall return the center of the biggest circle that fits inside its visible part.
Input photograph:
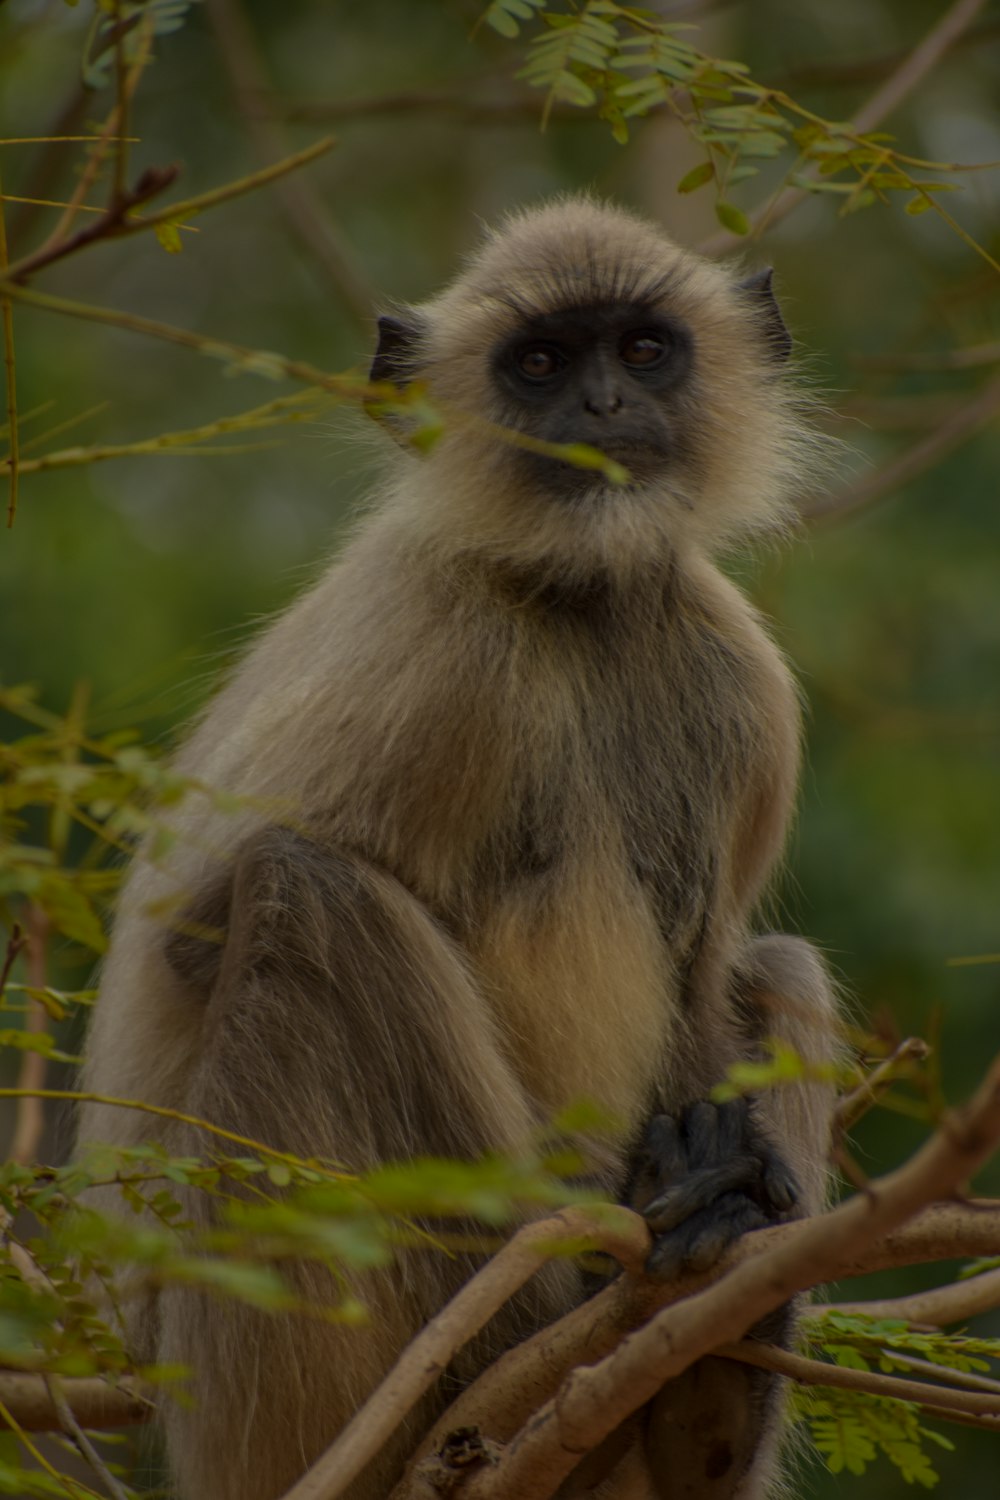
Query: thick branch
(942, 1305)
(613, 1230)
(505, 1396)
(95, 1404)
(594, 1400)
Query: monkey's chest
(674, 769)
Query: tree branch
(613, 1230)
(30, 1121)
(593, 1401)
(957, 428)
(72, 1429)
(911, 72)
(954, 1303)
(850, 1107)
(93, 1402)
(806, 1371)
(307, 218)
(505, 1395)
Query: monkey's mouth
(643, 460)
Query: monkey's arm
(341, 1023)
(712, 1173)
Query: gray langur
(539, 757)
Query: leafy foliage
(858, 1342)
(850, 1428)
(129, 24)
(626, 62)
(59, 778)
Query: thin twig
(972, 1380)
(111, 224)
(968, 358)
(954, 1303)
(615, 1231)
(237, 356)
(10, 372)
(511, 110)
(303, 407)
(911, 72)
(30, 1126)
(65, 1481)
(102, 144)
(955, 430)
(818, 1372)
(310, 223)
(850, 1107)
(15, 943)
(123, 101)
(119, 221)
(80, 1440)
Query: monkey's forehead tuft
(575, 252)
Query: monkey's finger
(661, 1150)
(779, 1184)
(698, 1191)
(734, 1128)
(700, 1130)
(698, 1243)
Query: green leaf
(919, 205)
(70, 912)
(732, 218)
(169, 236)
(36, 1041)
(697, 177)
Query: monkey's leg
(711, 1174)
(341, 1024)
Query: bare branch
(505, 1396)
(30, 1125)
(899, 470)
(817, 1372)
(968, 358)
(594, 1400)
(93, 1402)
(310, 223)
(954, 1303)
(80, 1440)
(613, 1230)
(10, 375)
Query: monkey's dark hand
(704, 1177)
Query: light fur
(520, 773)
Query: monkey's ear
(759, 289)
(396, 357)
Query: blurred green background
(142, 576)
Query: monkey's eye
(539, 361)
(642, 350)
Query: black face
(612, 376)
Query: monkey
(538, 757)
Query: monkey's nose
(604, 405)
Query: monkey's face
(579, 323)
(611, 374)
